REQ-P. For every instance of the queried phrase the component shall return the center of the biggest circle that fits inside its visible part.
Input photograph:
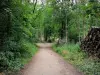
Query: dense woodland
(24, 23)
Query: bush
(16, 35)
(16, 54)
(31, 50)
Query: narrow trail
(47, 62)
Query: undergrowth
(16, 56)
(31, 50)
(73, 54)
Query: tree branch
(35, 6)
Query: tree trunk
(66, 31)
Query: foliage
(23, 23)
(73, 54)
(73, 20)
(31, 50)
(17, 34)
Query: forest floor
(47, 62)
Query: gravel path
(47, 62)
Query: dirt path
(47, 62)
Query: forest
(65, 23)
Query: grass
(73, 54)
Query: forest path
(47, 62)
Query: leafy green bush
(16, 54)
(73, 54)
(31, 49)
(17, 35)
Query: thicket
(17, 34)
